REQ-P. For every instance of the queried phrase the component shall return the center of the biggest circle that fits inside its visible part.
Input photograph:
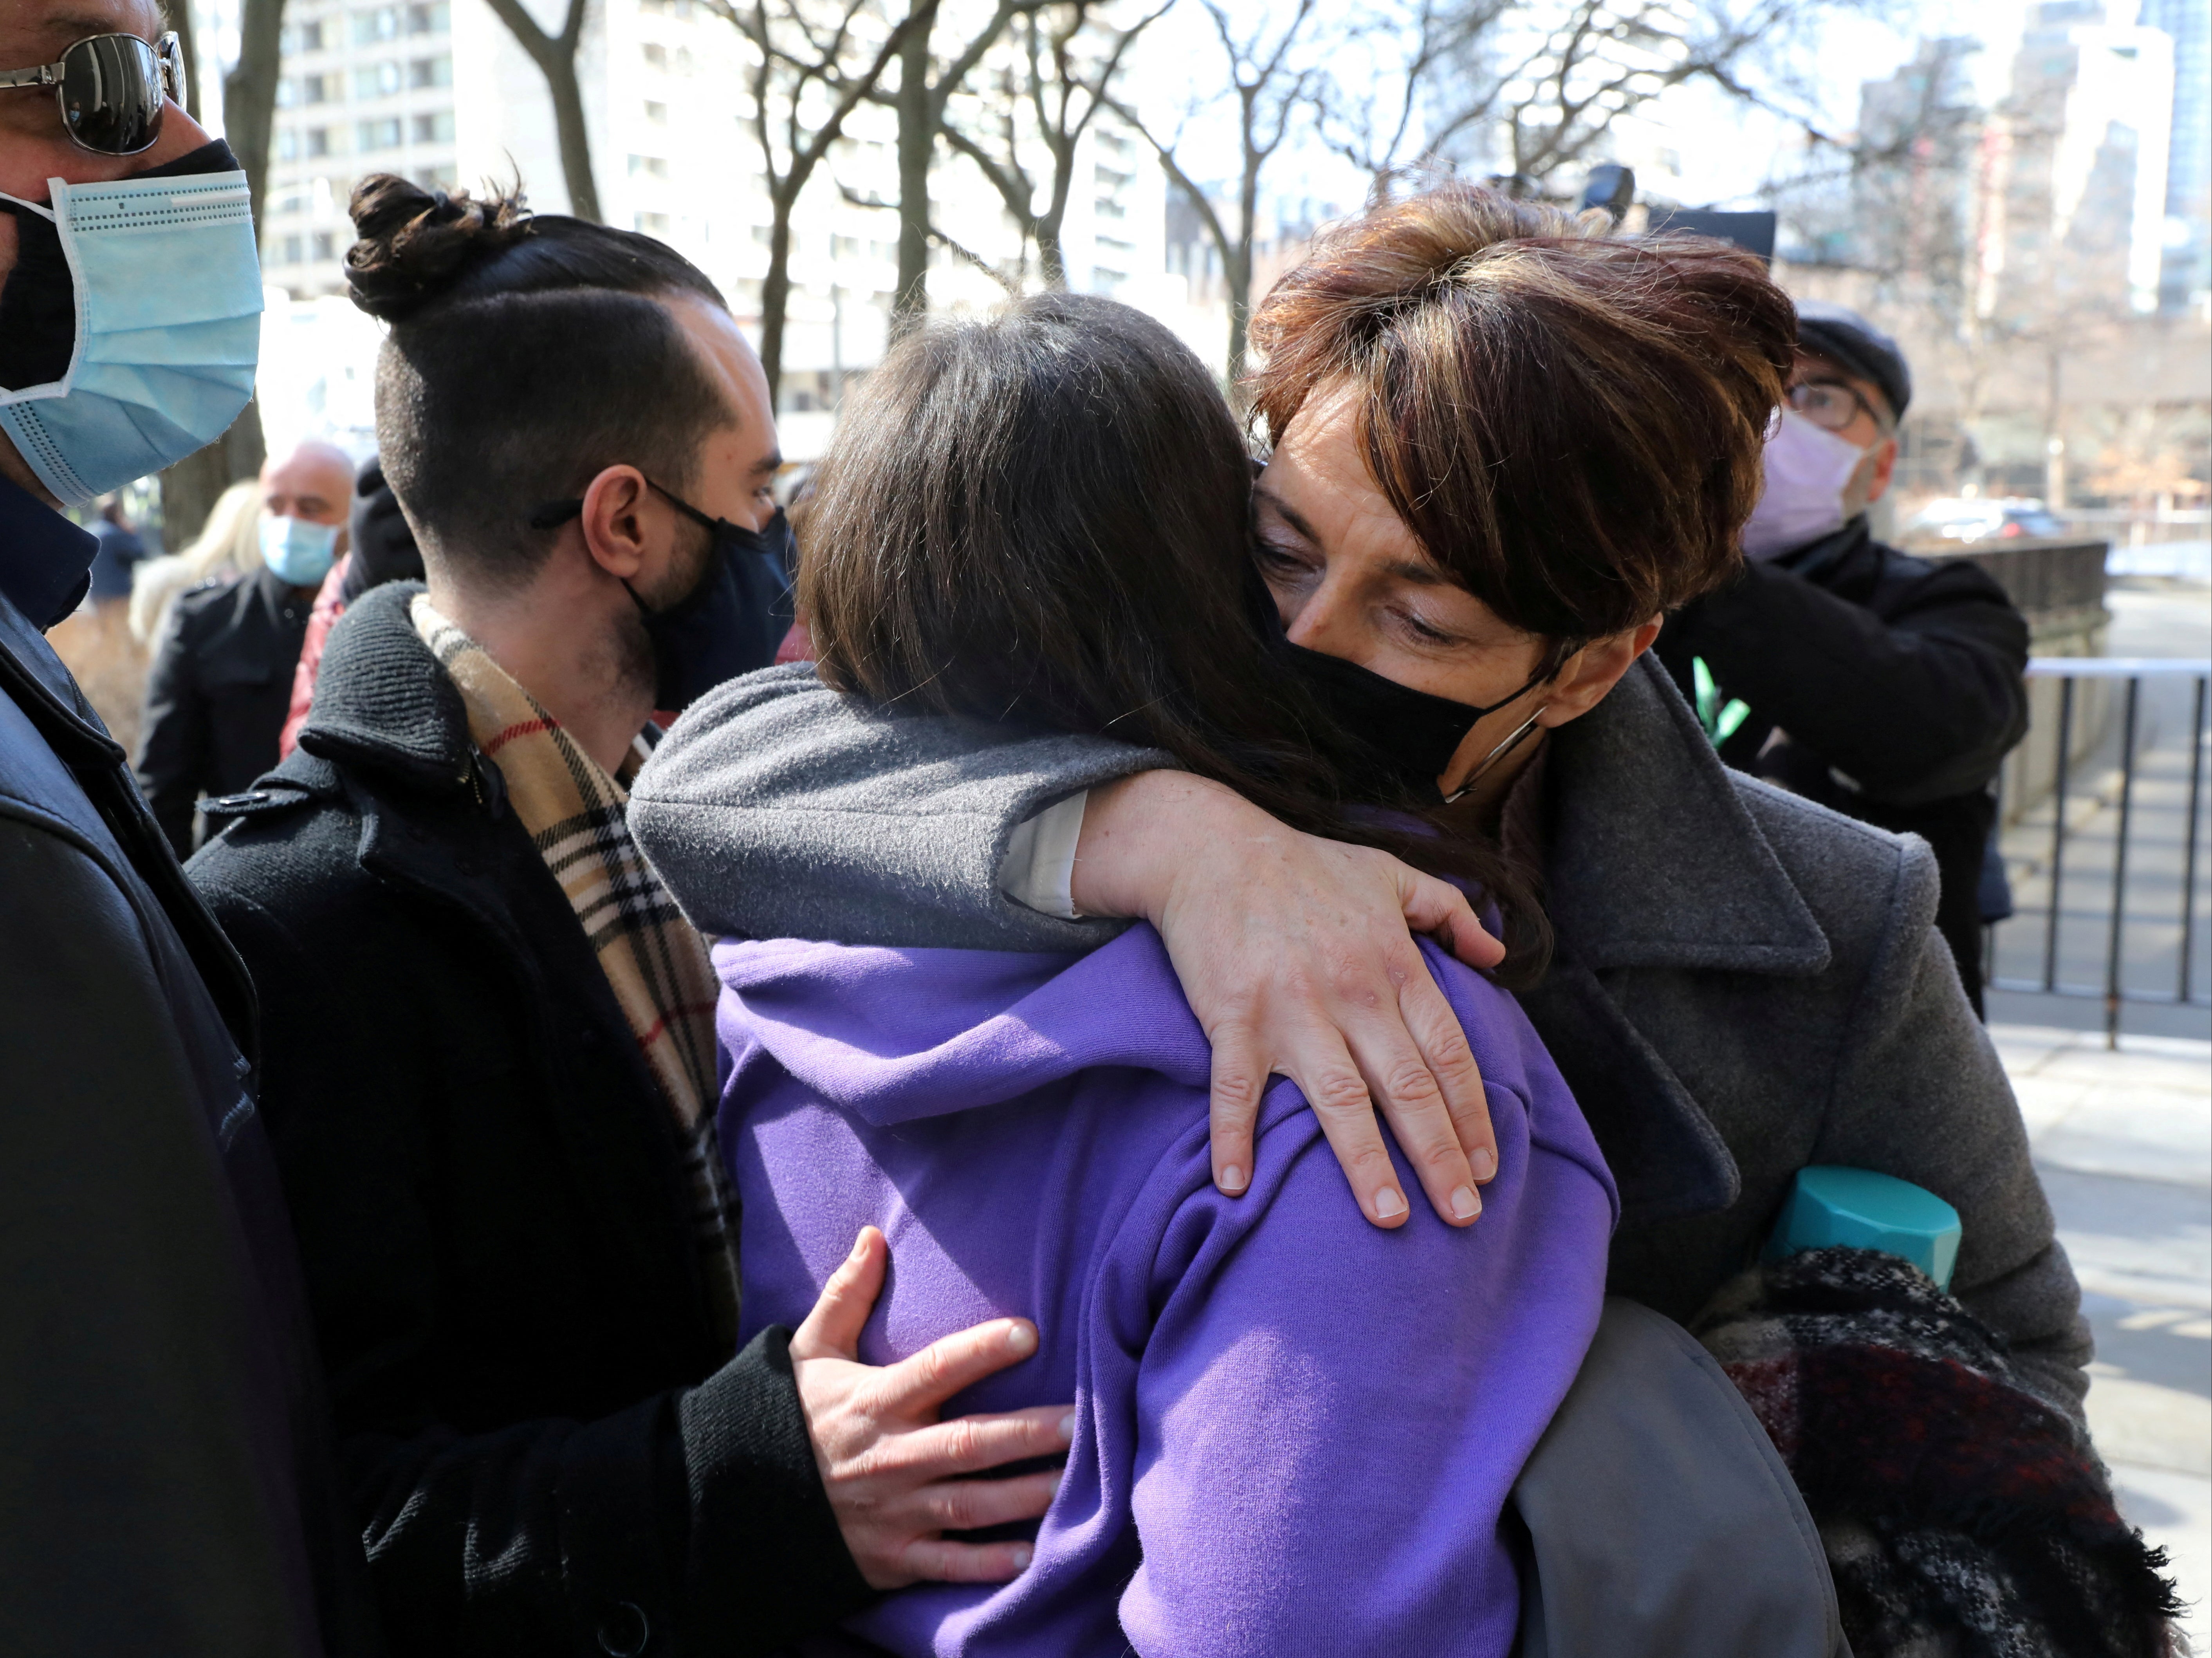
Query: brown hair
(1572, 423)
(1042, 518)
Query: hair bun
(414, 242)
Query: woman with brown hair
(1504, 444)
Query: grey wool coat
(1746, 984)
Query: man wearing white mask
(162, 1450)
(1885, 686)
(222, 682)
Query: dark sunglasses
(110, 89)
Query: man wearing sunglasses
(166, 1486)
(1886, 687)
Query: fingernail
(1020, 1337)
(1465, 1204)
(1388, 1203)
(1021, 1559)
(1068, 1427)
(860, 1248)
(1232, 1177)
(1484, 1162)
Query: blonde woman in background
(227, 545)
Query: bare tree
(1271, 83)
(1533, 90)
(1378, 105)
(556, 57)
(926, 84)
(813, 68)
(1047, 98)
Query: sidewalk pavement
(2124, 1142)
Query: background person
(380, 548)
(1886, 687)
(221, 681)
(94, 641)
(229, 545)
(162, 1444)
(499, 1149)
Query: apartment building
(364, 88)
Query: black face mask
(731, 623)
(1407, 737)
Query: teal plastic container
(1858, 1209)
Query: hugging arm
(777, 808)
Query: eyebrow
(1407, 570)
(768, 465)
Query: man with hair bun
(490, 1065)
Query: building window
(429, 20)
(653, 224)
(436, 128)
(288, 144)
(326, 245)
(1107, 208)
(371, 136)
(321, 89)
(306, 36)
(656, 55)
(290, 252)
(371, 26)
(844, 247)
(430, 72)
(657, 113)
(654, 166)
(437, 178)
(319, 141)
(376, 81)
(683, 60)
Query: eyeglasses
(110, 89)
(1833, 404)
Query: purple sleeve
(1331, 1416)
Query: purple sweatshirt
(1295, 1433)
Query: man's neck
(547, 642)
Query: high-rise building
(2186, 274)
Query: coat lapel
(1654, 862)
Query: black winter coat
(1885, 686)
(163, 1442)
(216, 699)
(546, 1452)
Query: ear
(1584, 678)
(616, 530)
(1885, 464)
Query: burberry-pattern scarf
(1961, 1514)
(654, 961)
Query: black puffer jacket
(169, 1484)
(1885, 686)
(545, 1450)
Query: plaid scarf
(654, 961)
(1960, 1513)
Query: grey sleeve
(776, 808)
(1921, 1094)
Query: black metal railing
(2117, 922)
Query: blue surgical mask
(164, 310)
(299, 550)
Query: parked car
(1970, 518)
